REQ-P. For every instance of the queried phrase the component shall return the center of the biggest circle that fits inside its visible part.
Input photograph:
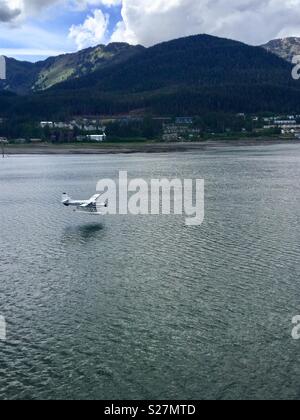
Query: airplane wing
(91, 201)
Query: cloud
(24, 26)
(149, 22)
(254, 21)
(12, 10)
(17, 11)
(81, 5)
(92, 32)
(107, 3)
(8, 13)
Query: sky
(36, 29)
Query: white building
(285, 123)
(44, 124)
(62, 125)
(97, 137)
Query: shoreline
(132, 148)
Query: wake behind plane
(91, 206)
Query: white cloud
(17, 11)
(85, 4)
(151, 21)
(9, 11)
(253, 21)
(92, 32)
(111, 3)
(122, 33)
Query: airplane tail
(65, 198)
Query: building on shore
(44, 124)
(184, 120)
(288, 127)
(79, 124)
(180, 132)
(98, 138)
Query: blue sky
(35, 29)
(47, 32)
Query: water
(145, 307)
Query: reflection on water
(83, 232)
(145, 307)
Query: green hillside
(187, 76)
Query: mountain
(196, 61)
(187, 76)
(285, 48)
(24, 77)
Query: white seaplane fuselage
(92, 206)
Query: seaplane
(92, 206)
